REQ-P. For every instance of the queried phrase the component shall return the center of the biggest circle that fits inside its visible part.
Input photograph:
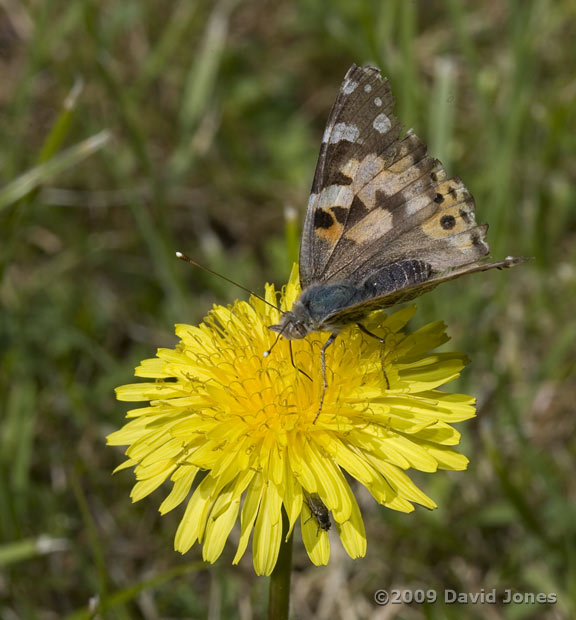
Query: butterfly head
(311, 309)
(295, 324)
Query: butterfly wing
(378, 199)
(348, 136)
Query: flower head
(244, 428)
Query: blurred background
(132, 129)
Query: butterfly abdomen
(395, 277)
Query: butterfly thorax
(315, 303)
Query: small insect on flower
(318, 510)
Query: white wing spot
(349, 87)
(382, 123)
(335, 196)
(367, 88)
(378, 101)
(341, 131)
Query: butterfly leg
(294, 363)
(324, 380)
(382, 341)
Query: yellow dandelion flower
(244, 428)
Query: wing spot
(465, 216)
(358, 210)
(434, 177)
(382, 123)
(439, 199)
(452, 191)
(341, 179)
(349, 87)
(382, 199)
(447, 222)
(341, 131)
(367, 88)
(378, 101)
(323, 219)
(340, 213)
(477, 240)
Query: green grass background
(132, 129)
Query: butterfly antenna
(187, 259)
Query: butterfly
(384, 222)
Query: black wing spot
(322, 219)
(439, 199)
(465, 216)
(358, 211)
(452, 191)
(341, 179)
(447, 222)
(340, 213)
(382, 199)
(477, 239)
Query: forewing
(360, 122)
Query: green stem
(279, 603)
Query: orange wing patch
(455, 213)
(327, 226)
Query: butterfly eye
(299, 330)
